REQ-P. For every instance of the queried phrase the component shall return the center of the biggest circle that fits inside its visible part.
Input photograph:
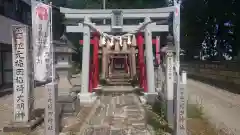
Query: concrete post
(149, 58)
(181, 107)
(170, 91)
(51, 112)
(176, 34)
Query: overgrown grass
(156, 121)
(196, 123)
(194, 111)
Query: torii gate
(117, 26)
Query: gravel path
(222, 108)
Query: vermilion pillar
(158, 50)
(141, 64)
(95, 60)
(90, 77)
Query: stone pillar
(85, 96)
(181, 107)
(51, 118)
(85, 58)
(23, 82)
(22, 72)
(169, 87)
(149, 58)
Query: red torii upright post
(94, 78)
(157, 43)
(141, 62)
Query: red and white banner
(41, 35)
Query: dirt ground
(220, 107)
(197, 125)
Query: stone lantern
(63, 60)
(67, 99)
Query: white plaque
(169, 76)
(170, 89)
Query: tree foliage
(209, 26)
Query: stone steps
(120, 75)
(117, 89)
(118, 83)
(119, 79)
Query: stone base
(87, 98)
(97, 88)
(23, 127)
(138, 90)
(150, 97)
(142, 99)
(68, 104)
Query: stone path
(118, 115)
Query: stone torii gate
(85, 17)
